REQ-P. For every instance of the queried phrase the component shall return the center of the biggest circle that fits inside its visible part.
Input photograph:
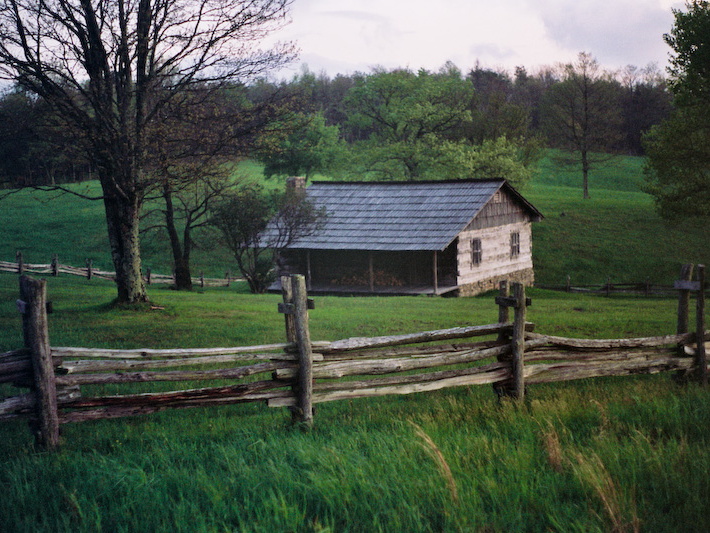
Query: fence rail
(299, 373)
(643, 288)
(55, 268)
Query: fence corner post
(34, 293)
(518, 341)
(686, 274)
(503, 314)
(305, 355)
(701, 362)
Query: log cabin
(456, 238)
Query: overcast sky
(345, 36)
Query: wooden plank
(346, 393)
(112, 365)
(10, 368)
(358, 343)
(173, 398)
(189, 375)
(339, 369)
(409, 379)
(596, 356)
(600, 344)
(555, 372)
(119, 411)
(144, 353)
(24, 404)
(413, 351)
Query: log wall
(496, 260)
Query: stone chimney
(295, 183)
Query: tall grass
(595, 455)
(622, 454)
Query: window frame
(476, 252)
(514, 244)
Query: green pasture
(615, 235)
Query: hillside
(616, 234)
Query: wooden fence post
(518, 301)
(33, 303)
(686, 274)
(20, 263)
(89, 268)
(305, 360)
(55, 265)
(701, 362)
(227, 277)
(503, 314)
(147, 275)
(287, 294)
(518, 341)
(202, 280)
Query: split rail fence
(89, 271)
(645, 288)
(65, 383)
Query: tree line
(389, 124)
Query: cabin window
(514, 244)
(476, 252)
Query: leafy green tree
(255, 225)
(403, 118)
(678, 169)
(308, 147)
(583, 116)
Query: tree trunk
(181, 251)
(585, 175)
(122, 218)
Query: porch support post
(371, 269)
(436, 272)
(308, 270)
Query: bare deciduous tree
(583, 115)
(115, 70)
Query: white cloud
(348, 35)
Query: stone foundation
(526, 277)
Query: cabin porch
(374, 272)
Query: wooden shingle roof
(398, 216)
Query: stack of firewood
(381, 278)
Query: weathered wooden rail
(66, 383)
(55, 268)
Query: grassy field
(610, 454)
(616, 234)
(594, 455)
